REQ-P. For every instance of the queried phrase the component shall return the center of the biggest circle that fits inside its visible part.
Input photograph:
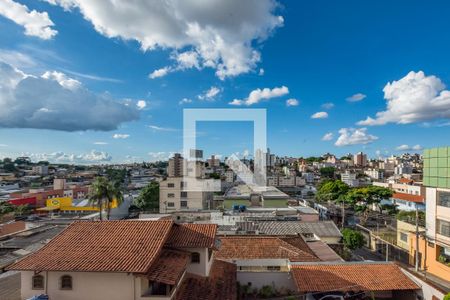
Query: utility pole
(417, 238)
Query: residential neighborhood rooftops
(192, 236)
(169, 267)
(326, 277)
(321, 229)
(409, 197)
(268, 247)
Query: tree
(8, 165)
(6, 208)
(447, 297)
(352, 239)
(22, 210)
(332, 190)
(102, 193)
(327, 172)
(361, 199)
(149, 197)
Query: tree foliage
(363, 198)
(352, 239)
(332, 190)
(327, 172)
(148, 199)
(103, 192)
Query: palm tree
(102, 193)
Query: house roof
(323, 251)
(326, 277)
(409, 197)
(192, 236)
(321, 229)
(108, 246)
(221, 284)
(169, 267)
(256, 247)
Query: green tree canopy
(361, 199)
(327, 172)
(332, 190)
(148, 199)
(352, 239)
(103, 192)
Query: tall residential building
(213, 162)
(360, 159)
(349, 179)
(434, 247)
(176, 166)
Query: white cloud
(221, 32)
(292, 102)
(328, 105)
(17, 59)
(100, 143)
(320, 115)
(159, 73)
(414, 98)
(160, 156)
(35, 23)
(352, 136)
(327, 137)
(55, 101)
(157, 128)
(257, 95)
(261, 72)
(120, 136)
(356, 97)
(3, 145)
(408, 148)
(141, 104)
(184, 101)
(187, 60)
(209, 94)
(62, 79)
(92, 157)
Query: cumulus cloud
(414, 98)
(55, 101)
(327, 137)
(354, 136)
(258, 95)
(222, 33)
(320, 115)
(209, 94)
(100, 143)
(292, 102)
(141, 104)
(261, 72)
(159, 73)
(408, 148)
(184, 101)
(160, 156)
(93, 157)
(121, 136)
(36, 23)
(328, 105)
(356, 97)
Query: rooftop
(409, 197)
(325, 277)
(268, 247)
(192, 236)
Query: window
(273, 268)
(403, 237)
(443, 227)
(443, 199)
(38, 282)
(171, 185)
(195, 257)
(170, 195)
(66, 282)
(170, 204)
(183, 204)
(183, 194)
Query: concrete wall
(427, 291)
(279, 280)
(204, 266)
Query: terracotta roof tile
(169, 266)
(255, 247)
(221, 284)
(110, 246)
(192, 236)
(350, 277)
(409, 197)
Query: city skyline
(80, 87)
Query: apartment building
(434, 247)
(349, 179)
(360, 159)
(176, 166)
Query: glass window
(38, 282)
(443, 227)
(170, 204)
(273, 268)
(183, 194)
(171, 185)
(195, 257)
(443, 199)
(183, 203)
(403, 237)
(170, 195)
(66, 282)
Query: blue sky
(98, 61)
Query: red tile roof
(221, 284)
(255, 247)
(406, 180)
(350, 277)
(409, 197)
(108, 246)
(169, 266)
(192, 236)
